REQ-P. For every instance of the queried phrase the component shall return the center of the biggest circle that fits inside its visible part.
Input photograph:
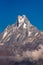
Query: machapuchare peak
(21, 41)
(23, 20)
(20, 30)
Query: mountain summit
(22, 29)
(23, 20)
(21, 41)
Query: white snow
(36, 34)
(20, 20)
(8, 39)
(4, 34)
(24, 26)
(29, 33)
(17, 36)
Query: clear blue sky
(10, 9)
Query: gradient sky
(10, 9)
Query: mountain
(21, 44)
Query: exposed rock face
(21, 44)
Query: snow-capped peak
(23, 20)
(23, 28)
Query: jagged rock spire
(23, 20)
(22, 26)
